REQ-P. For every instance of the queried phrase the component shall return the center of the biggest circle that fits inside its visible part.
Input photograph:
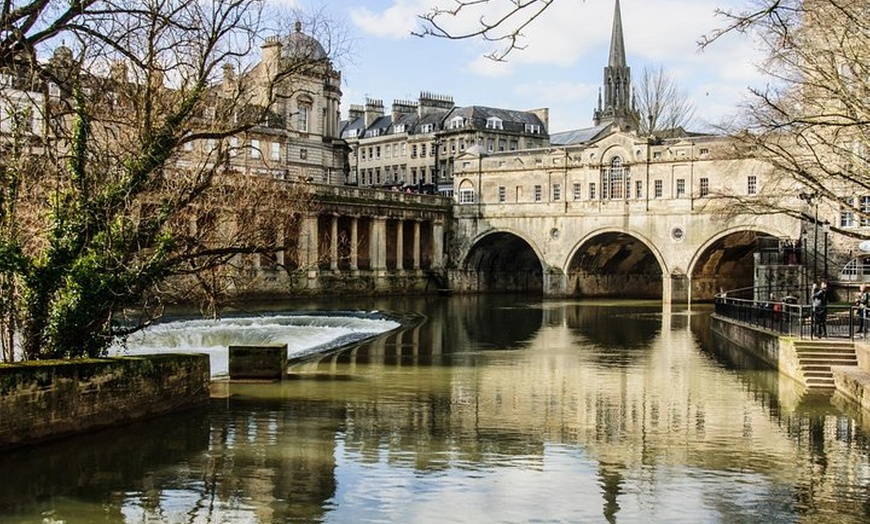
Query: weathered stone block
(258, 362)
(41, 400)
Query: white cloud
(483, 66)
(395, 22)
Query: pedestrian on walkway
(820, 309)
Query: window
(576, 191)
(234, 145)
(591, 190)
(276, 151)
(705, 187)
(387, 151)
(494, 122)
(456, 122)
(659, 189)
(638, 189)
(466, 196)
(705, 151)
(362, 153)
(399, 128)
(210, 145)
(751, 185)
(427, 128)
(302, 119)
(657, 154)
(422, 150)
(616, 181)
(557, 192)
(255, 149)
(538, 193)
(490, 145)
(377, 152)
(414, 151)
(404, 149)
(865, 211)
(847, 213)
(681, 187)
(533, 128)
(514, 145)
(54, 90)
(303, 154)
(502, 194)
(502, 145)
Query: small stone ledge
(258, 362)
(853, 383)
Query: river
(478, 409)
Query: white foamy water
(303, 334)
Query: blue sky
(560, 69)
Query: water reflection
(586, 412)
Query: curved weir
(303, 333)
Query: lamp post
(826, 227)
(812, 200)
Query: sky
(562, 65)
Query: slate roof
(579, 136)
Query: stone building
(299, 138)
(416, 144)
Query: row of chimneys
(428, 103)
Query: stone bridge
(654, 228)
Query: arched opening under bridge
(729, 263)
(501, 262)
(614, 265)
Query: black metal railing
(792, 319)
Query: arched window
(466, 192)
(616, 180)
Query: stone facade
(415, 146)
(49, 399)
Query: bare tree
(499, 21)
(661, 103)
(119, 184)
(810, 123)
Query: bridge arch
(613, 262)
(726, 260)
(501, 260)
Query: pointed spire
(617, 43)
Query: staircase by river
(817, 356)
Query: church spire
(618, 107)
(617, 42)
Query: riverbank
(50, 399)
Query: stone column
(333, 244)
(437, 245)
(378, 244)
(400, 244)
(416, 245)
(354, 244)
(308, 241)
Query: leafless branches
(661, 103)
(498, 21)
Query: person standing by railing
(820, 309)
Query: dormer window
(457, 122)
(399, 128)
(534, 129)
(427, 128)
(374, 132)
(494, 123)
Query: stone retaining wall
(41, 400)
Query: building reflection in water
(611, 411)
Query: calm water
(488, 409)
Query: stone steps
(817, 356)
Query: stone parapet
(41, 400)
